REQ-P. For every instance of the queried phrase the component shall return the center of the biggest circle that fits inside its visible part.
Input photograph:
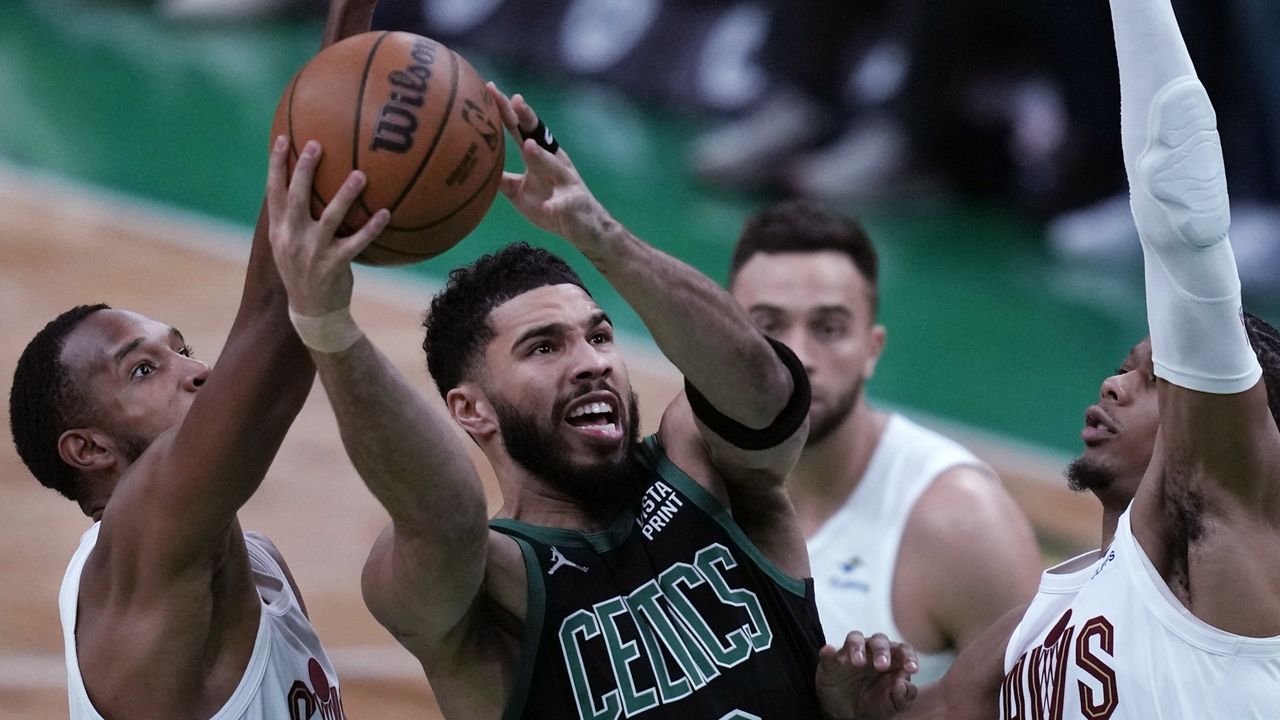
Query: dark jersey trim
(530, 642)
(602, 541)
(657, 458)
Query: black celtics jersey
(669, 613)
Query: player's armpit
(1223, 442)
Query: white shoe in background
(747, 152)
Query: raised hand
(314, 263)
(550, 193)
(866, 679)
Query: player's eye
(828, 331)
(142, 370)
(187, 351)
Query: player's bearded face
(540, 447)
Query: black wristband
(782, 427)
(541, 135)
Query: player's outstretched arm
(1216, 427)
(347, 18)
(205, 470)
(698, 326)
(426, 571)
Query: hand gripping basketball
(416, 119)
(314, 264)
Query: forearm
(1150, 53)
(697, 325)
(347, 18)
(1173, 158)
(407, 452)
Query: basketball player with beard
(1177, 615)
(908, 533)
(659, 578)
(169, 609)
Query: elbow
(786, 393)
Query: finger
(855, 648)
(509, 185)
(526, 118)
(300, 186)
(277, 171)
(342, 201)
(505, 111)
(543, 163)
(354, 244)
(828, 658)
(904, 656)
(879, 648)
(903, 694)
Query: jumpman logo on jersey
(558, 560)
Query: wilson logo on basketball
(399, 117)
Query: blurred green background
(986, 327)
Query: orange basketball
(416, 118)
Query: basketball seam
(355, 135)
(497, 168)
(435, 141)
(401, 253)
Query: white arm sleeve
(1178, 192)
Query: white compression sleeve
(1178, 192)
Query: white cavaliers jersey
(1112, 642)
(288, 677)
(854, 554)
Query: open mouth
(596, 417)
(1098, 426)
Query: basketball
(416, 118)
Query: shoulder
(929, 446)
(431, 626)
(967, 505)
(981, 554)
(681, 441)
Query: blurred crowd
(886, 101)
(1012, 101)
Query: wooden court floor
(61, 246)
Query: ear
(471, 409)
(878, 337)
(86, 450)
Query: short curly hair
(44, 402)
(457, 323)
(1266, 343)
